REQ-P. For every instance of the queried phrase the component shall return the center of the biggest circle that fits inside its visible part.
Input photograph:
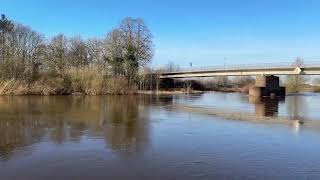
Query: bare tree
(78, 52)
(23, 52)
(96, 52)
(171, 67)
(137, 46)
(243, 81)
(129, 47)
(29, 50)
(56, 54)
(294, 82)
(222, 81)
(6, 26)
(114, 52)
(137, 39)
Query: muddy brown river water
(145, 137)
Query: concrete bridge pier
(267, 86)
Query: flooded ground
(144, 137)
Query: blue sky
(203, 32)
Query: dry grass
(118, 85)
(316, 88)
(89, 81)
(84, 81)
(245, 88)
(8, 87)
(51, 86)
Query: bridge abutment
(267, 86)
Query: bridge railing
(244, 67)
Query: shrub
(118, 85)
(87, 80)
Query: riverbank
(62, 86)
(69, 85)
(245, 89)
(304, 88)
(242, 89)
(85, 82)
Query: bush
(84, 80)
(118, 85)
(316, 89)
(87, 80)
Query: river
(148, 137)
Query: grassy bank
(242, 89)
(303, 88)
(92, 81)
(76, 81)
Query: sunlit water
(143, 137)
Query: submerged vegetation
(31, 64)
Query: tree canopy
(26, 53)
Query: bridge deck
(245, 70)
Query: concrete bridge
(267, 82)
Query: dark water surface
(143, 137)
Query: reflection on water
(266, 107)
(122, 121)
(296, 107)
(141, 137)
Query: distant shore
(110, 87)
(164, 92)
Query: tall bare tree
(78, 52)
(57, 53)
(243, 81)
(171, 67)
(6, 26)
(295, 82)
(115, 52)
(138, 45)
(96, 52)
(29, 48)
(23, 51)
(128, 48)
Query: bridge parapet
(244, 67)
(266, 69)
